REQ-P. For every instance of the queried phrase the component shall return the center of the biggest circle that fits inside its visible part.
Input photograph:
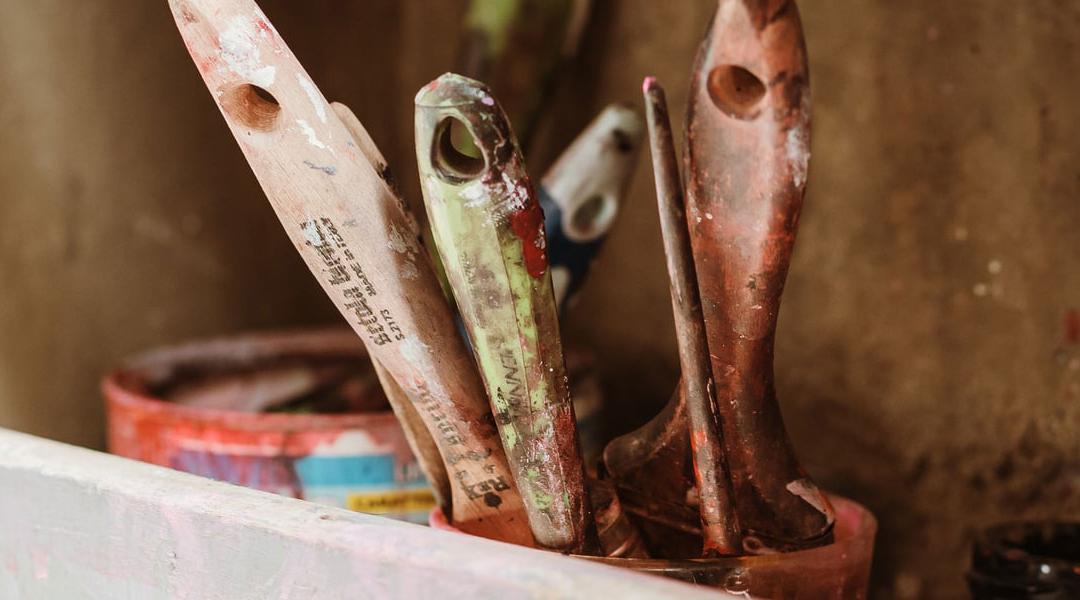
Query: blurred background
(928, 355)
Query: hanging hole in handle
(252, 105)
(592, 218)
(455, 154)
(736, 91)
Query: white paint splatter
(414, 350)
(313, 95)
(727, 12)
(994, 266)
(980, 289)
(798, 154)
(473, 194)
(240, 53)
(805, 489)
(309, 131)
(399, 242)
(516, 192)
(311, 232)
(409, 271)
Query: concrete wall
(927, 359)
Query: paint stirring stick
(359, 241)
(719, 526)
(581, 194)
(747, 148)
(488, 228)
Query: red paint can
(200, 407)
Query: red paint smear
(265, 27)
(528, 224)
(1072, 326)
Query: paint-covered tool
(747, 152)
(516, 47)
(489, 230)
(359, 241)
(653, 472)
(581, 194)
(719, 525)
(420, 438)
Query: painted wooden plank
(78, 524)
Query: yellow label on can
(386, 502)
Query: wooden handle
(488, 228)
(748, 135)
(359, 241)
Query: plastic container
(1036, 560)
(840, 570)
(359, 461)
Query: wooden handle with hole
(489, 230)
(359, 241)
(747, 150)
(582, 194)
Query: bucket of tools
(840, 569)
(295, 413)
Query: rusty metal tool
(720, 528)
(489, 230)
(358, 239)
(747, 152)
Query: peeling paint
(241, 55)
(309, 131)
(313, 95)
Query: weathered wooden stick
(359, 241)
(516, 47)
(489, 230)
(720, 528)
(582, 193)
(747, 149)
(420, 439)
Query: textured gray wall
(925, 358)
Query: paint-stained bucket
(838, 570)
(329, 436)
